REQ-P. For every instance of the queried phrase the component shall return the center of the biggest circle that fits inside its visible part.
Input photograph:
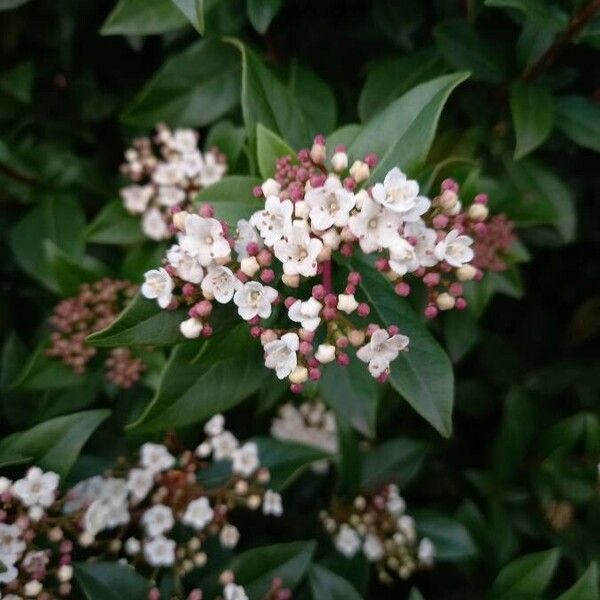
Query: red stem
(327, 283)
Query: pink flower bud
(252, 248)
(350, 290)
(188, 289)
(257, 191)
(306, 336)
(480, 228)
(481, 199)
(319, 292)
(431, 312)
(402, 289)
(343, 359)
(393, 330)
(382, 264)
(305, 348)
(267, 276)
(175, 209)
(256, 331)
(456, 289)
(372, 328)
(349, 184)
(431, 279)
(346, 250)
(371, 160)
(296, 388)
(207, 211)
(154, 594)
(329, 313)
(363, 309)
(203, 308)
(264, 258)
(383, 377)
(460, 304)
(317, 181)
(289, 301)
(440, 221)
(314, 374)
(449, 184)
(354, 278)
(342, 342)
(207, 330)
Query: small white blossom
(212, 170)
(221, 283)
(273, 220)
(426, 552)
(325, 353)
(425, 246)
(36, 488)
(347, 541)
(139, 483)
(373, 548)
(395, 505)
(270, 188)
(11, 544)
(158, 286)
(281, 354)
(347, 303)
(83, 494)
(455, 249)
(224, 445)
(188, 267)
(381, 350)
(272, 504)
(159, 552)
(198, 514)
(191, 328)
(330, 204)
(229, 536)
(403, 257)
(156, 457)
(234, 592)
(204, 239)
(214, 426)
(246, 234)
(132, 546)
(306, 313)
(157, 520)
(10, 574)
(374, 226)
(5, 484)
(245, 459)
(192, 163)
(32, 588)
(154, 226)
(136, 198)
(298, 252)
(168, 173)
(254, 299)
(183, 140)
(95, 517)
(170, 196)
(401, 195)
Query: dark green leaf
(193, 11)
(326, 585)
(579, 118)
(543, 13)
(460, 333)
(232, 198)
(110, 581)
(143, 17)
(10, 4)
(349, 465)
(269, 147)
(114, 225)
(586, 588)
(452, 540)
(262, 12)
(18, 82)
(399, 20)
(228, 138)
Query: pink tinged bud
(449, 184)
(331, 300)
(340, 148)
(363, 309)
(349, 184)
(254, 320)
(305, 348)
(480, 228)
(154, 594)
(267, 276)
(306, 336)
(195, 594)
(317, 181)
(242, 276)
(203, 308)
(188, 289)
(173, 304)
(175, 209)
(284, 594)
(372, 328)
(65, 559)
(343, 359)
(207, 331)
(445, 267)
(354, 278)
(207, 211)
(431, 312)
(296, 388)
(383, 377)
(319, 139)
(342, 342)
(66, 547)
(350, 290)
(252, 248)
(256, 331)
(371, 160)
(461, 304)
(456, 289)
(314, 374)
(393, 330)
(329, 313)
(346, 250)
(431, 279)
(313, 363)
(481, 199)
(257, 191)
(303, 155)
(170, 269)
(265, 258)
(302, 175)
(478, 275)
(402, 289)
(440, 221)
(382, 264)
(289, 301)
(319, 292)
(419, 272)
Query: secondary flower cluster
(378, 526)
(95, 307)
(152, 514)
(311, 213)
(166, 172)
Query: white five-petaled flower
(455, 249)
(170, 196)
(426, 552)
(245, 459)
(374, 226)
(234, 592)
(272, 504)
(187, 266)
(139, 483)
(281, 354)
(329, 205)
(158, 520)
(298, 252)
(11, 544)
(95, 517)
(306, 313)
(156, 457)
(214, 426)
(136, 198)
(168, 173)
(221, 283)
(246, 234)
(36, 488)
(373, 548)
(192, 163)
(229, 536)
(403, 258)
(204, 238)
(273, 220)
(154, 226)
(425, 242)
(183, 140)
(347, 541)
(158, 286)
(224, 445)
(159, 551)
(401, 195)
(9, 574)
(212, 170)
(381, 350)
(254, 299)
(198, 514)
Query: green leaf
(141, 258)
(327, 585)
(462, 47)
(397, 460)
(423, 375)
(286, 461)
(270, 147)
(533, 116)
(586, 588)
(452, 540)
(193, 11)
(142, 17)
(197, 383)
(232, 198)
(55, 444)
(402, 134)
(114, 225)
(192, 89)
(18, 82)
(349, 464)
(110, 581)
(10, 4)
(543, 13)
(261, 13)
(352, 392)
(228, 138)
(142, 323)
(527, 576)
(392, 78)
(399, 20)
(266, 100)
(460, 333)
(579, 119)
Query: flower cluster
(167, 172)
(311, 424)
(378, 526)
(311, 214)
(491, 247)
(153, 514)
(95, 307)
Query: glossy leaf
(327, 585)
(451, 538)
(110, 581)
(193, 11)
(114, 225)
(262, 12)
(143, 17)
(232, 198)
(586, 588)
(10, 4)
(228, 138)
(542, 13)
(269, 147)
(18, 82)
(579, 118)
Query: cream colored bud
(191, 328)
(36, 513)
(204, 450)
(347, 235)
(391, 275)
(65, 573)
(339, 161)
(347, 303)
(32, 588)
(478, 212)
(299, 374)
(200, 559)
(356, 337)
(268, 336)
(187, 566)
(324, 254)
(360, 171)
(208, 295)
(226, 577)
(86, 539)
(249, 266)
(318, 153)
(331, 238)
(447, 200)
(303, 223)
(223, 260)
(241, 487)
(466, 273)
(292, 281)
(254, 501)
(270, 188)
(179, 219)
(194, 544)
(325, 353)
(452, 212)
(361, 197)
(360, 503)
(115, 545)
(55, 534)
(445, 301)
(301, 209)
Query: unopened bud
(339, 161)
(360, 171)
(325, 353)
(292, 281)
(478, 212)
(445, 301)
(191, 328)
(299, 375)
(318, 153)
(301, 209)
(270, 188)
(179, 219)
(347, 303)
(249, 266)
(466, 272)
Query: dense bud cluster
(167, 172)
(312, 214)
(95, 307)
(378, 526)
(153, 514)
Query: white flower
(347, 541)
(347, 303)
(245, 459)
(83, 493)
(192, 163)
(136, 198)
(426, 552)
(139, 483)
(325, 353)
(401, 195)
(204, 239)
(187, 266)
(274, 219)
(373, 548)
(229, 536)
(403, 257)
(113, 491)
(406, 524)
(132, 546)
(234, 592)
(191, 328)
(375, 227)
(158, 285)
(298, 252)
(5, 484)
(158, 520)
(214, 426)
(246, 234)
(154, 226)
(212, 170)
(36, 488)
(95, 517)
(11, 544)
(198, 514)
(254, 299)
(270, 188)
(32, 588)
(117, 514)
(306, 313)
(330, 204)
(272, 504)
(159, 552)
(381, 350)
(221, 283)
(183, 140)
(425, 246)
(10, 574)
(224, 445)
(156, 457)
(170, 196)
(168, 173)
(395, 505)
(281, 354)
(455, 249)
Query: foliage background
(77, 84)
